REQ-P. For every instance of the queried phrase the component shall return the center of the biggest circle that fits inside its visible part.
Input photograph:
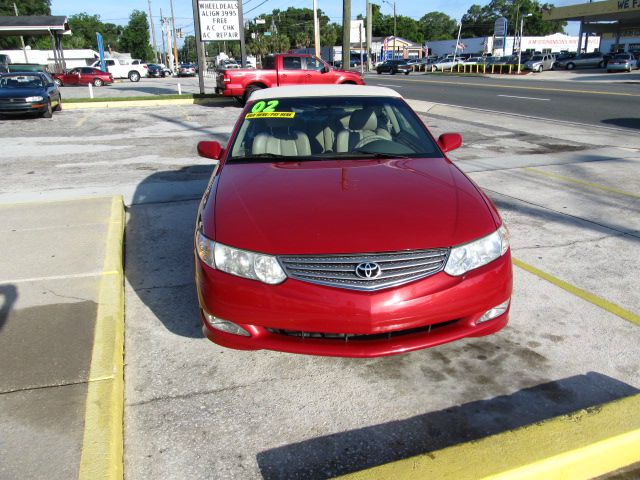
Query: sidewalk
(51, 279)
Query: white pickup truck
(119, 69)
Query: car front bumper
(22, 108)
(300, 317)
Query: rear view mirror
(211, 150)
(449, 141)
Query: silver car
(538, 63)
(586, 60)
(622, 61)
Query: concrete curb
(103, 440)
(580, 445)
(143, 103)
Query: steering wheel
(369, 139)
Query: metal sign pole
(199, 45)
(243, 53)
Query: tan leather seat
(282, 140)
(362, 124)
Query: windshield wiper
(365, 154)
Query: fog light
(494, 312)
(225, 326)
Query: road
(604, 104)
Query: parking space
(145, 87)
(196, 410)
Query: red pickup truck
(278, 70)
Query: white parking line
(389, 85)
(526, 98)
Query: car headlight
(33, 99)
(241, 263)
(469, 256)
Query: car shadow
(8, 295)
(159, 245)
(633, 123)
(355, 450)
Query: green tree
(25, 7)
(135, 37)
(479, 21)
(84, 28)
(437, 26)
(188, 51)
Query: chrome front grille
(12, 100)
(395, 268)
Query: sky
(117, 11)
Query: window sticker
(262, 106)
(249, 116)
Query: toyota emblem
(368, 270)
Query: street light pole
(316, 29)
(520, 42)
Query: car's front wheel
(58, 106)
(571, 66)
(407, 72)
(97, 82)
(134, 76)
(48, 113)
(58, 82)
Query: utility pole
(316, 28)
(24, 49)
(346, 34)
(173, 31)
(166, 29)
(153, 33)
(243, 49)
(395, 30)
(163, 55)
(369, 23)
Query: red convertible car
(335, 224)
(83, 76)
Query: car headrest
(364, 119)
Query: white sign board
(219, 20)
(358, 31)
(500, 27)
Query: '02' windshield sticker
(264, 109)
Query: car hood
(21, 92)
(323, 207)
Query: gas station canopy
(619, 15)
(34, 25)
(39, 25)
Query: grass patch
(186, 96)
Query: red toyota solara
(335, 224)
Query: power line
(252, 9)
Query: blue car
(23, 93)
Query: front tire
(48, 113)
(407, 72)
(571, 66)
(58, 82)
(58, 106)
(134, 76)
(97, 82)
(601, 65)
(393, 72)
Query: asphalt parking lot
(570, 195)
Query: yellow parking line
(580, 182)
(589, 297)
(522, 87)
(103, 440)
(580, 445)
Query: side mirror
(325, 69)
(449, 141)
(211, 150)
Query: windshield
(622, 56)
(20, 81)
(320, 128)
(536, 58)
